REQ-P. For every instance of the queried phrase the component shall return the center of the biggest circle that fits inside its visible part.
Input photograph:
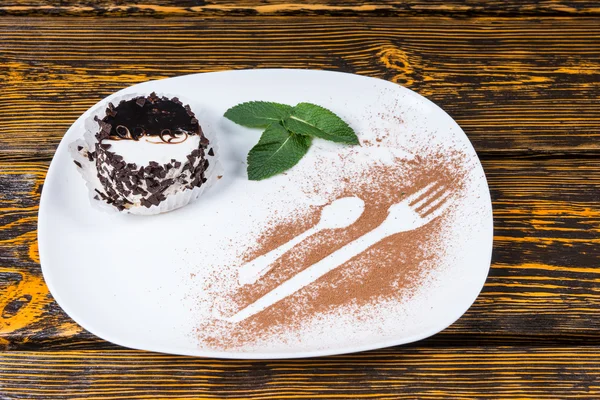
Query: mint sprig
(313, 120)
(288, 134)
(276, 151)
(258, 114)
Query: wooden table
(521, 77)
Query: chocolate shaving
(167, 182)
(110, 110)
(153, 200)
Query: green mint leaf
(312, 120)
(277, 150)
(258, 114)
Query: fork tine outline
(436, 207)
(419, 193)
(428, 198)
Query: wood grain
(310, 7)
(520, 77)
(519, 85)
(399, 373)
(543, 286)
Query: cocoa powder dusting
(391, 269)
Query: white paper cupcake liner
(89, 172)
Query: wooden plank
(519, 85)
(310, 7)
(543, 285)
(397, 373)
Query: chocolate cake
(147, 149)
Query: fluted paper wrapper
(89, 171)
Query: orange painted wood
(520, 77)
(469, 372)
(515, 85)
(309, 7)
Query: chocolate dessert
(147, 149)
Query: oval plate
(169, 283)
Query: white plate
(149, 282)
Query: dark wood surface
(515, 85)
(521, 78)
(400, 373)
(294, 8)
